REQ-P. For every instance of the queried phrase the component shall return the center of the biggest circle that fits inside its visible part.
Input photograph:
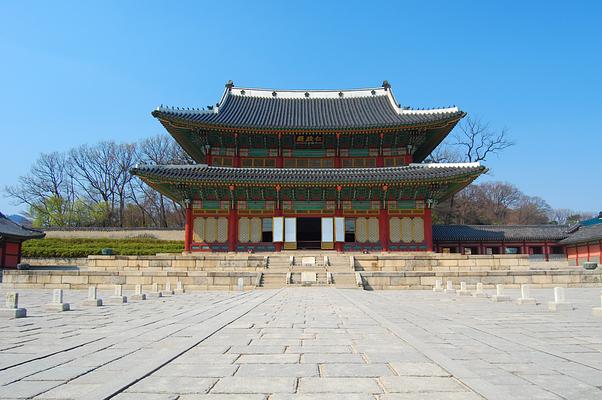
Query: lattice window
(406, 229)
(249, 230)
(395, 230)
(222, 230)
(418, 236)
(210, 230)
(243, 230)
(373, 234)
(256, 230)
(361, 230)
(198, 230)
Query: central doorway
(309, 233)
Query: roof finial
(386, 84)
(230, 84)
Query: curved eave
(168, 119)
(23, 237)
(164, 183)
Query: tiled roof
(584, 234)
(309, 110)
(334, 176)
(496, 233)
(11, 229)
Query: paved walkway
(304, 343)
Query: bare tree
(46, 188)
(162, 149)
(95, 170)
(477, 140)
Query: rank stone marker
(92, 300)
(597, 311)
(118, 297)
(559, 303)
(479, 291)
(463, 290)
(57, 302)
(179, 288)
(154, 291)
(168, 291)
(525, 295)
(499, 295)
(438, 286)
(450, 288)
(11, 308)
(138, 295)
(241, 284)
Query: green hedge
(85, 247)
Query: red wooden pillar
(428, 229)
(383, 228)
(407, 159)
(209, 159)
(232, 229)
(380, 160)
(546, 251)
(188, 227)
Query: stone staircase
(288, 270)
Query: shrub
(70, 248)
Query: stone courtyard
(302, 343)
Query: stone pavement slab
(304, 343)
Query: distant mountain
(19, 219)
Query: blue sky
(80, 72)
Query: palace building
(308, 169)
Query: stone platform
(276, 270)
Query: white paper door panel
(290, 230)
(278, 229)
(327, 229)
(339, 229)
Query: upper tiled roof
(309, 110)
(585, 234)
(498, 232)
(334, 176)
(11, 229)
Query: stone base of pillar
(57, 307)
(553, 306)
(138, 297)
(92, 303)
(480, 294)
(116, 300)
(463, 293)
(166, 293)
(529, 301)
(597, 311)
(13, 312)
(500, 298)
(154, 295)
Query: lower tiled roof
(584, 234)
(498, 232)
(386, 175)
(11, 229)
